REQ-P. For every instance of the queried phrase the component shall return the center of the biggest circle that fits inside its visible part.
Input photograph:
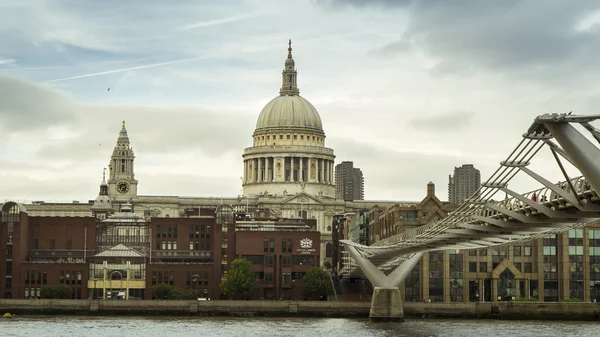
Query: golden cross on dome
(123, 124)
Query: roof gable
(302, 198)
(120, 250)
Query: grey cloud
(188, 185)
(508, 34)
(530, 37)
(393, 174)
(448, 122)
(28, 106)
(27, 188)
(394, 48)
(366, 3)
(25, 107)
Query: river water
(73, 326)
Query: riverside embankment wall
(500, 310)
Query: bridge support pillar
(386, 305)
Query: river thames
(254, 327)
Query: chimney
(430, 189)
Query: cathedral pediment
(302, 198)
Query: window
(268, 278)
(53, 244)
(286, 261)
(517, 250)
(483, 267)
(69, 244)
(272, 245)
(472, 252)
(527, 250)
(266, 245)
(472, 267)
(286, 245)
(269, 261)
(528, 268)
(518, 266)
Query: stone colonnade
(288, 168)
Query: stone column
(267, 177)
(292, 169)
(331, 172)
(300, 173)
(255, 170)
(260, 170)
(128, 278)
(245, 171)
(320, 163)
(104, 272)
(308, 170)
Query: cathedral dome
(289, 112)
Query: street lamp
(195, 279)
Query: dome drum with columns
(288, 155)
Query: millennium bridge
(490, 217)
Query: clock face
(123, 187)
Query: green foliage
(572, 300)
(239, 280)
(162, 291)
(531, 299)
(316, 283)
(327, 265)
(59, 291)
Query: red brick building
(281, 252)
(123, 255)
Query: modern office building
(561, 267)
(465, 181)
(349, 182)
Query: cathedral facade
(288, 171)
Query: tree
(162, 291)
(239, 280)
(59, 291)
(327, 265)
(315, 283)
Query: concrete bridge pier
(386, 305)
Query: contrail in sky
(128, 69)
(221, 21)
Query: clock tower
(122, 185)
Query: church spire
(289, 86)
(103, 185)
(123, 137)
(103, 203)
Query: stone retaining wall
(500, 310)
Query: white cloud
(407, 90)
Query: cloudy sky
(406, 89)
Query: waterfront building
(281, 252)
(349, 182)
(123, 255)
(465, 181)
